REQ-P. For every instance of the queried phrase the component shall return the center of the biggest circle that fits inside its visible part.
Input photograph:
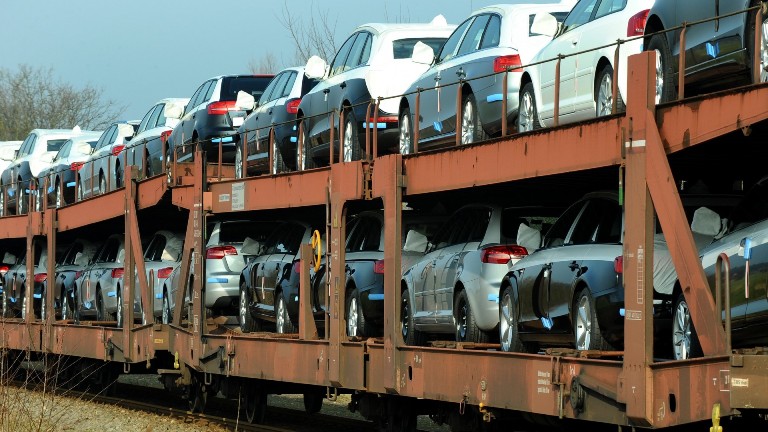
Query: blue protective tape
(11, 192)
(375, 296)
(622, 312)
(112, 294)
(294, 139)
(224, 140)
(438, 126)
(37, 296)
(70, 184)
(498, 97)
(50, 189)
(159, 296)
(217, 280)
(296, 298)
(493, 298)
(378, 125)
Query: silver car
(97, 290)
(225, 259)
(453, 289)
(98, 172)
(73, 262)
(162, 257)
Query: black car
(277, 107)
(718, 53)
(206, 120)
(62, 174)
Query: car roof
(241, 76)
(524, 5)
(437, 23)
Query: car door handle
(574, 266)
(460, 73)
(326, 91)
(343, 84)
(269, 112)
(574, 42)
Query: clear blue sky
(140, 51)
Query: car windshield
(253, 85)
(403, 48)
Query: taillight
(164, 273)
(78, 274)
(508, 62)
(117, 273)
(297, 267)
(75, 166)
(218, 252)
(378, 267)
(220, 107)
(384, 119)
(164, 135)
(502, 254)
(292, 106)
(618, 264)
(117, 149)
(41, 277)
(4, 269)
(636, 24)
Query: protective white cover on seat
(173, 246)
(415, 242)
(705, 226)
(529, 238)
(251, 247)
(664, 274)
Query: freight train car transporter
(463, 384)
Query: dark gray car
(718, 53)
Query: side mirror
(15, 154)
(545, 24)
(173, 111)
(415, 242)
(245, 101)
(315, 68)
(423, 54)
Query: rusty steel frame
(636, 391)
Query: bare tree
(34, 98)
(266, 64)
(313, 36)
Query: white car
(8, 151)
(60, 187)
(374, 62)
(586, 89)
(154, 129)
(93, 174)
(35, 155)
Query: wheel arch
(601, 64)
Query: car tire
(405, 140)
(471, 127)
(586, 329)
(66, 308)
(148, 169)
(509, 331)
(278, 164)
(283, 322)
(245, 319)
(604, 94)
(118, 176)
(527, 115)
(75, 306)
(239, 162)
(356, 322)
(465, 321)
(22, 199)
(165, 317)
(750, 41)
(685, 341)
(102, 184)
(80, 189)
(303, 160)
(410, 335)
(352, 151)
(665, 85)
(58, 196)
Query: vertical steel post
(184, 271)
(221, 155)
(128, 265)
(50, 282)
(332, 137)
(504, 90)
(681, 65)
(300, 142)
(244, 152)
(307, 327)
(375, 129)
(29, 283)
(272, 155)
(556, 118)
(415, 123)
(338, 279)
(638, 246)
(756, 57)
(109, 171)
(198, 287)
(342, 131)
(368, 132)
(614, 79)
(458, 125)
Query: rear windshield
(236, 232)
(254, 85)
(55, 144)
(403, 48)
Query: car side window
(366, 235)
(155, 114)
(600, 222)
(579, 15)
(268, 91)
(196, 98)
(277, 92)
(30, 145)
(752, 208)
(25, 144)
(145, 120)
(337, 66)
(289, 84)
(103, 138)
(355, 54)
(492, 33)
(64, 152)
(474, 35)
(559, 231)
(209, 91)
(450, 46)
(366, 55)
(609, 6)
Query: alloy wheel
(405, 134)
(506, 324)
(243, 308)
(352, 317)
(764, 53)
(525, 113)
(468, 123)
(281, 315)
(59, 199)
(461, 322)
(2, 202)
(24, 306)
(348, 133)
(102, 185)
(659, 76)
(239, 162)
(605, 96)
(119, 309)
(166, 317)
(405, 316)
(681, 331)
(583, 324)
(275, 156)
